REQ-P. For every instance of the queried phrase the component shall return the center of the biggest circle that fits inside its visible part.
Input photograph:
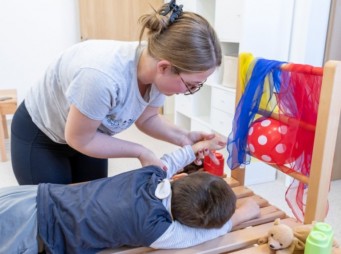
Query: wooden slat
(264, 249)
(242, 191)
(259, 200)
(232, 182)
(126, 250)
(267, 214)
(229, 242)
(259, 249)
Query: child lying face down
(141, 207)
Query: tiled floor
(275, 196)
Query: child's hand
(205, 147)
(248, 210)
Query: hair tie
(175, 9)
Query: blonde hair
(189, 43)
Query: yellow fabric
(245, 59)
(246, 63)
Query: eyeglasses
(191, 89)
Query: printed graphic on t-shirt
(117, 125)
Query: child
(137, 208)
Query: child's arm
(182, 236)
(248, 210)
(176, 160)
(186, 155)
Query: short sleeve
(93, 93)
(158, 99)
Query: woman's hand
(147, 158)
(206, 148)
(216, 143)
(196, 136)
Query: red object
(272, 141)
(212, 168)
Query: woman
(63, 131)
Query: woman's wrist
(184, 139)
(197, 147)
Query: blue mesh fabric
(248, 107)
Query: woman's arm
(81, 134)
(156, 126)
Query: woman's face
(171, 82)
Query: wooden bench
(241, 240)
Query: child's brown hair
(202, 200)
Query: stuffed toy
(282, 239)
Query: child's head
(202, 200)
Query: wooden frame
(324, 144)
(243, 238)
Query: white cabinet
(262, 27)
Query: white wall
(309, 31)
(267, 26)
(32, 33)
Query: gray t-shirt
(99, 77)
